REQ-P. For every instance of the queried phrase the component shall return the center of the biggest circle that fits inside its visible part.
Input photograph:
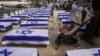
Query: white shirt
(75, 8)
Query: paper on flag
(84, 52)
(16, 51)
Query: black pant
(66, 39)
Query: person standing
(65, 5)
(93, 28)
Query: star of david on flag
(16, 51)
(98, 54)
(5, 52)
(26, 32)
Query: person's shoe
(56, 48)
(78, 46)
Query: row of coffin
(17, 51)
(26, 34)
(40, 18)
(34, 30)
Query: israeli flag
(16, 51)
(84, 52)
(28, 32)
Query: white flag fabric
(84, 52)
(3, 24)
(16, 51)
(28, 32)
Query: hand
(91, 10)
